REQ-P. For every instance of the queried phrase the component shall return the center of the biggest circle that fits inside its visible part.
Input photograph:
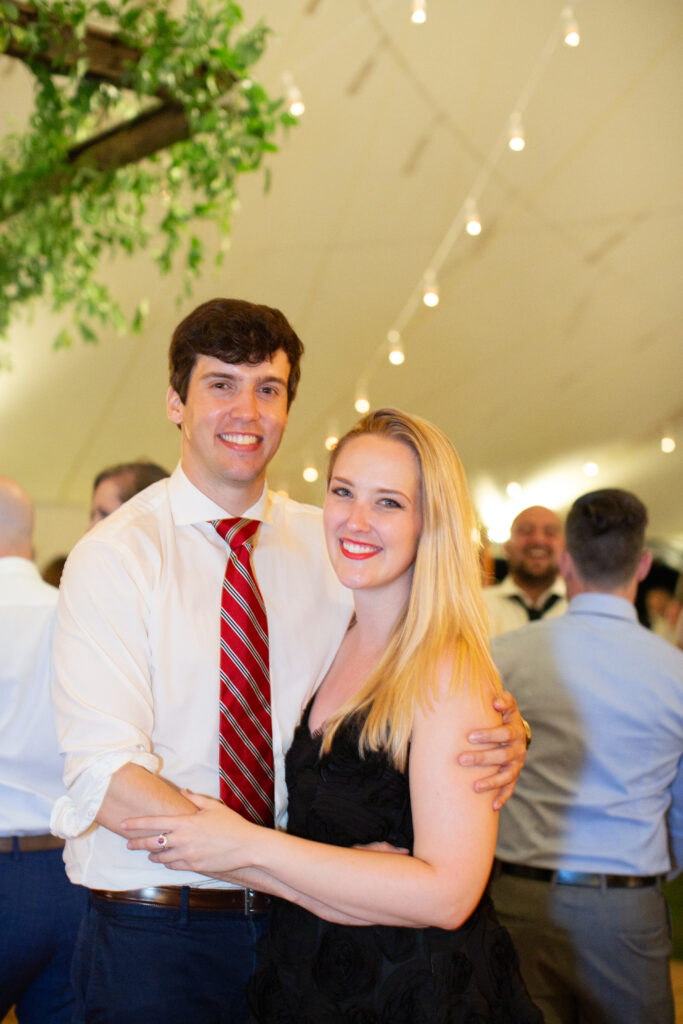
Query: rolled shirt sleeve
(102, 685)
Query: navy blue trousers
(40, 911)
(161, 965)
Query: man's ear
(566, 565)
(644, 565)
(174, 407)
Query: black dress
(314, 972)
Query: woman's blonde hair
(444, 617)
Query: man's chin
(536, 578)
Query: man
(39, 907)
(532, 588)
(139, 651)
(584, 843)
(119, 483)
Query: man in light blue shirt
(597, 816)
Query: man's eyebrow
(270, 378)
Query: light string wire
(457, 225)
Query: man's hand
(506, 751)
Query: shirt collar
(510, 588)
(11, 565)
(603, 604)
(189, 505)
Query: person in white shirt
(39, 908)
(533, 588)
(137, 668)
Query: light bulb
(295, 102)
(591, 469)
(294, 99)
(517, 142)
(472, 220)
(396, 353)
(514, 489)
(571, 33)
(310, 474)
(331, 442)
(430, 294)
(419, 12)
(362, 405)
(668, 445)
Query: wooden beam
(133, 140)
(108, 57)
(126, 143)
(108, 60)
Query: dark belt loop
(15, 847)
(184, 906)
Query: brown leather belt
(238, 901)
(580, 878)
(30, 844)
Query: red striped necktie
(246, 736)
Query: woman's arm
(455, 832)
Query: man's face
(533, 550)
(106, 498)
(232, 423)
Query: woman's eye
(341, 492)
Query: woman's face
(372, 514)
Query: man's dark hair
(134, 477)
(233, 331)
(605, 534)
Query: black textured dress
(314, 972)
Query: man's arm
(103, 694)
(134, 791)
(505, 751)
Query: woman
(372, 772)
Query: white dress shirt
(137, 656)
(30, 765)
(506, 613)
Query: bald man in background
(533, 588)
(39, 908)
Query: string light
(419, 12)
(571, 33)
(430, 294)
(396, 354)
(310, 474)
(472, 219)
(331, 442)
(513, 489)
(512, 136)
(516, 142)
(294, 99)
(668, 444)
(591, 469)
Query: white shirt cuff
(74, 813)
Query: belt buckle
(249, 895)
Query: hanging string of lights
(467, 219)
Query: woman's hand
(506, 751)
(212, 841)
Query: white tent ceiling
(557, 337)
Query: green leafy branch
(138, 131)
